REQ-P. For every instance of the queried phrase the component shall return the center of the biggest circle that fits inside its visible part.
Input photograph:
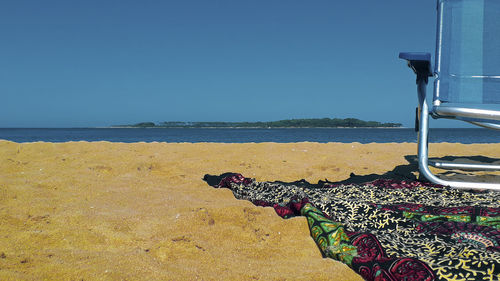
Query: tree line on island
(290, 123)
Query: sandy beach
(115, 211)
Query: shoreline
(266, 128)
(131, 127)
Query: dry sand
(112, 211)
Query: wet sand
(113, 211)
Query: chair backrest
(468, 52)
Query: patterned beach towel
(387, 229)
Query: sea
(245, 135)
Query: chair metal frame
(420, 63)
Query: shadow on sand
(409, 172)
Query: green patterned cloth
(390, 230)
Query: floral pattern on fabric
(389, 230)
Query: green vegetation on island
(290, 123)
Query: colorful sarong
(389, 230)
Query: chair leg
(423, 143)
(423, 151)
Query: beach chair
(466, 78)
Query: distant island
(290, 123)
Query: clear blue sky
(98, 63)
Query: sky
(69, 63)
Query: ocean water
(236, 135)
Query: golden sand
(113, 211)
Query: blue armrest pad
(419, 62)
(415, 56)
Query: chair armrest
(420, 63)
